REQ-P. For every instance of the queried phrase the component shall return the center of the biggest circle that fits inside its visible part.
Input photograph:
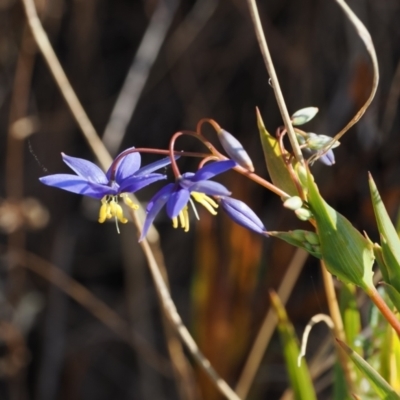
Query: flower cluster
(126, 176)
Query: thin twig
(93, 304)
(72, 100)
(274, 80)
(138, 74)
(314, 320)
(65, 87)
(268, 326)
(366, 38)
(172, 314)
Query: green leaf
(340, 390)
(298, 238)
(381, 262)
(346, 253)
(299, 375)
(390, 241)
(381, 387)
(276, 166)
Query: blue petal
(126, 167)
(154, 166)
(211, 188)
(177, 200)
(242, 214)
(164, 192)
(85, 169)
(210, 170)
(154, 207)
(135, 183)
(76, 184)
(328, 158)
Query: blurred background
(79, 316)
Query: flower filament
(183, 217)
(111, 209)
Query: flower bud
(293, 203)
(328, 158)
(318, 142)
(311, 238)
(298, 234)
(235, 150)
(304, 115)
(242, 214)
(303, 214)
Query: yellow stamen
(116, 211)
(110, 208)
(103, 212)
(186, 219)
(206, 201)
(182, 219)
(128, 201)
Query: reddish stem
(256, 178)
(384, 309)
(210, 147)
(213, 123)
(152, 151)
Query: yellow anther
(116, 211)
(205, 201)
(120, 215)
(110, 208)
(104, 211)
(182, 219)
(128, 201)
(186, 219)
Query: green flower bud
(298, 235)
(312, 238)
(303, 214)
(318, 142)
(304, 115)
(317, 251)
(293, 203)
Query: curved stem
(213, 123)
(210, 147)
(118, 159)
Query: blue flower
(91, 181)
(242, 214)
(177, 195)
